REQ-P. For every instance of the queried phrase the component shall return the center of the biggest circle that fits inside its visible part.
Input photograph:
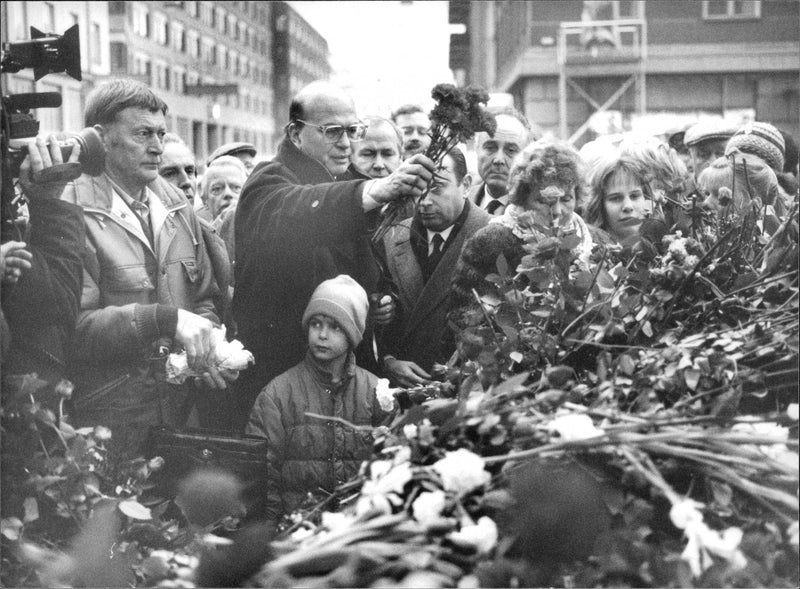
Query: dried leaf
(31, 509)
(626, 364)
(10, 528)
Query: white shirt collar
(445, 233)
(487, 198)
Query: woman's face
(553, 205)
(625, 205)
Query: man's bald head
(316, 95)
(318, 106)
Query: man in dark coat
(496, 155)
(303, 218)
(421, 254)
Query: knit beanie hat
(710, 130)
(343, 299)
(761, 140)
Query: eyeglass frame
(344, 129)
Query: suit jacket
(420, 327)
(476, 194)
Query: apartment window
(221, 21)
(116, 7)
(193, 42)
(160, 27)
(206, 14)
(141, 20)
(177, 37)
(191, 8)
(95, 44)
(178, 80)
(119, 57)
(731, 9)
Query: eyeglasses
(333, 133)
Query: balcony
(602, 48)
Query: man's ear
(293, 131)
(466, 182)
(102, 130)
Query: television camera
(45, 53)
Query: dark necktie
(438, 242)
(493, 206)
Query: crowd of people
(121, 269)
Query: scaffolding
(600, 48)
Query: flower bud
(101, 433)
(64, 389)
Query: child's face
(326, 339)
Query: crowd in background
(114, 272)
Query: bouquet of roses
(459, 114)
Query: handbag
(185, 451)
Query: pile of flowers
(628, 418)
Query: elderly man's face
(705, 152)
(378, 155)
(444, 202)
(496, 154)
(133, 147)
(414, 128)
(178, 168)
(325, 110)
(223, 184)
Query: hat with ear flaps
(344, 300)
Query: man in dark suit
(302, 218)
(495, 158)
(421, 254)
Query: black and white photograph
(400, 293)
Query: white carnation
(461, 471)
(385, 394)
(428, 506)
(574, 426)
(483, 535)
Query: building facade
(682, 58)
(207, 60)
(299, 56)
(57, 17)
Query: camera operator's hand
(44, 174)
(14, 259)
(409, 179)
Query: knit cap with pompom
(343, 299)
(761, 140)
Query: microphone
(33, 100)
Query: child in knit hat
(310, 454)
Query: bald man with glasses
(302, 218)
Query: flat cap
(713, 130)
(232, 149)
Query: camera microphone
(33, 100)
